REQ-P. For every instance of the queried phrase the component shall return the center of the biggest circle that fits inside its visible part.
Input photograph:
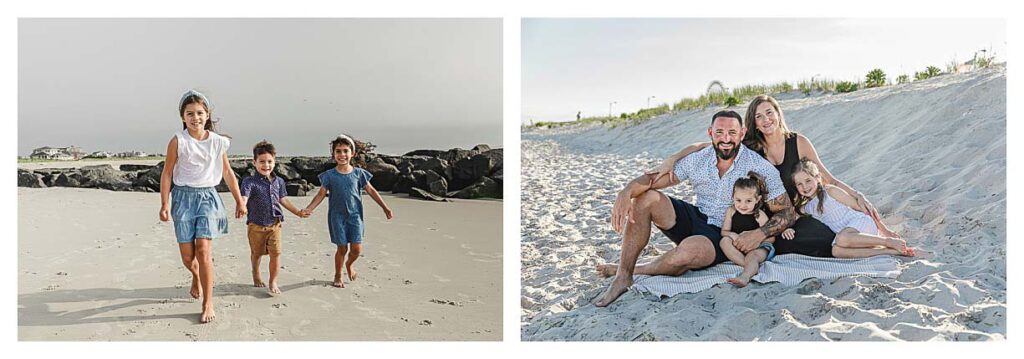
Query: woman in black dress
(768, 135)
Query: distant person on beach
(746, 214)
(263, 196)
(695, 228)
(344, 184)
(856, 232)
(578, 115)
(768, 135)
(196, 162)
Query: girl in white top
(856, 231)
(196, 161)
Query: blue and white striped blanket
(788, 269)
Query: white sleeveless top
(199, 162)
(838, 216)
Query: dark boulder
(419, 193)
(150, 178)
(428, 153)
(105, 177)
(404, 183)
(295, 189)
(436, 184)
(286, 172)
(470, 170)
(30, 179)
(223, 185)
(69, 179)
(485, 187)
(384, 175)
(309, 168)
(481, 148)
(134, 168)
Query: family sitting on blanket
(790, 169)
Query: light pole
(610, 108)
(649, 101)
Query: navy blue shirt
(265, 196)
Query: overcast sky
(402, 84)
(571, 65)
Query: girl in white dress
(856, 232)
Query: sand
(931, 156)
(99, 265)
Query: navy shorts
(690, 222)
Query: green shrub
(875, 78)
(933, 71)
(732, 101)
(846, 86)
(902, 79)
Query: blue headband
(195, 93)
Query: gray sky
(571, 65)
(402, 84)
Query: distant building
(71, 153)
(99, 154)
(131, 154)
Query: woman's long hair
(754, 138)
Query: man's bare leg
(650, 207)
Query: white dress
(838, 216)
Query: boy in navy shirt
(263, 196)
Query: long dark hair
(807, 166)
(753, 181)
(754, 139)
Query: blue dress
(345, 204)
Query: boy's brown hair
(263, 147)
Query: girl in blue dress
(345, 206)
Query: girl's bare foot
(607, 270)
(274, 289)
(338, 282)
(208, 315)
(908, 252)
(898, 244)
(196, 291)
(739, 282)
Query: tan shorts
(265, 239)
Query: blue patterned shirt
(714, 193)
(264, 203)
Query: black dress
(812, 237)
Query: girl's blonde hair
(811, 169)
(753, 181)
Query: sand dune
(931, 155)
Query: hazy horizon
(617, 65)
(403, 84)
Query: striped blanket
(788, 269)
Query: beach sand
(931, 156)
(99, 265)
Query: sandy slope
(931, 155)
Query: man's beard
(726, 154)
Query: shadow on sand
(34, 308)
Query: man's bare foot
(257, 281)
(196, 291)
(208, 315)
(607, 270)
(338, 282)
(739, 281)
(613, 292)
(273, 288)
(351, 272)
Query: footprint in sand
(441, 279)
(299, 330)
